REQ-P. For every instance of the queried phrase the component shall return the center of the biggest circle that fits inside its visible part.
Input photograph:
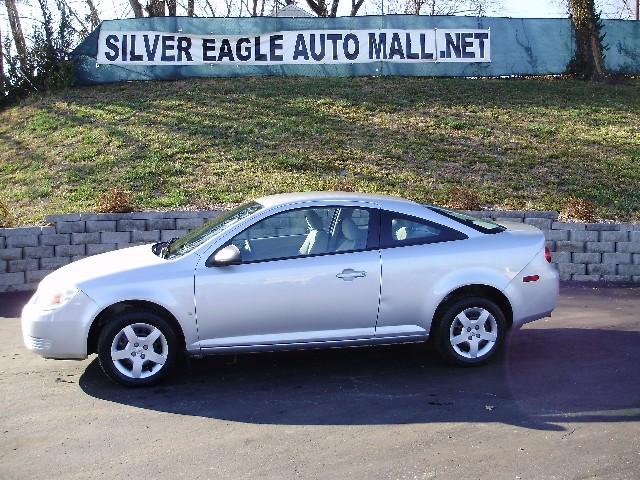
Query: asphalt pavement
(562, 402)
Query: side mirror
(229, 255)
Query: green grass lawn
(518, 143)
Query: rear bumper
(533, 300)
(61, 333)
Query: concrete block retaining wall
(581, 251)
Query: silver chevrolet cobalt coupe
(296, 271)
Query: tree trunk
(136, 6)
(355, 6)
(588, 61)
(334, 8)
(319, 7)
(155, 8)
(191, 8)
(1, 67)
(94, 18)
(172, 7)
(18, 36)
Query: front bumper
(60, 333)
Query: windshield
(193, 239)
(479, 224)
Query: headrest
(349, 229)
(313, 220)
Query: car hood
(103, 265)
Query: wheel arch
(476, 290)
(103, 318)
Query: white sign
(295, 47)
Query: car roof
(301, 197)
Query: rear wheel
(470, 331)
(137, 348)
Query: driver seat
(317, 239)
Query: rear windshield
(479, 224)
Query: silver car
(296, 271)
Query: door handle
(349, 274)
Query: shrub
(115, 200)
(6, 219)
(464, 198)
(579, 209)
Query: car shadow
(11, 303)
(545, 376)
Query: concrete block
(161, 224)
(20, 231)
(18, 241)
(55, 239)
(616, 278)
(101, 226)
(541, 214)
(100, 248)
(565, 276)
(600, 247)
(628, 247)
(550, 245)
(616, 258)
(10, 253)
(23, 287)
(184, 214)
(629, 227)
(636, 258)
(70, 227)
(583, 235)
(541, 223)
(166, 235)
(3, 243)
(188, 223)
(84, 238)
(598, 227)
(3, 266)
(567, 226)
(572, 268)
(115, 237)
(616, 236)
(635, 278)
(501, 220)
(628, 269)
(10, 279)
(586, 278)
(53, 263)
(36, 276)
(568, 246)
(147, 236)
(66, 217)
(38, 252)
(601, 269)
(69, 250)
(556, 234)
(22, 265)
(131, 225)
(634, 236)
(47, 230)
(586, 257)
(561, 257)
(75, 258)
(209, 214)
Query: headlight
(51, 299)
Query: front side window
(305, 232)
(399, 230)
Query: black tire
(443, 329)
(167, 346)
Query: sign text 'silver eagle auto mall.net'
(295, 47)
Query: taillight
(547, 254)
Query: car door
(300, 280)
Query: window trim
(373, 234)
(386, 236)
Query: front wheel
(470, 331)
(137, 348)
